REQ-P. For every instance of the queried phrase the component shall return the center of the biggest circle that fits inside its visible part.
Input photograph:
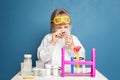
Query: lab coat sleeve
(77, 43)
(44, 50)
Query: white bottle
(27, 65)
(28, 62)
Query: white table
(99, 76)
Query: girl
(50, 49)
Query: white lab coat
(48, 53)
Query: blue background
(23, 24)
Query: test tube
(72, 65)
(77, 66)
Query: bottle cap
(27, 55)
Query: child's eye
(65, 26)
(59, 27)
(58, 20)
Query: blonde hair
(57, 12)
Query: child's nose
(63, 29)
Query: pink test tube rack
(91, 62)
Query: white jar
(48, 69)
(36, 71)
(42, 72)
(55, 70)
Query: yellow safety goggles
(61, 19)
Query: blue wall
(23, 24)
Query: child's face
(64, 29)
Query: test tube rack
(91, 62)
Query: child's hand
(55, 36)
(69, 41)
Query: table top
(98, 76)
